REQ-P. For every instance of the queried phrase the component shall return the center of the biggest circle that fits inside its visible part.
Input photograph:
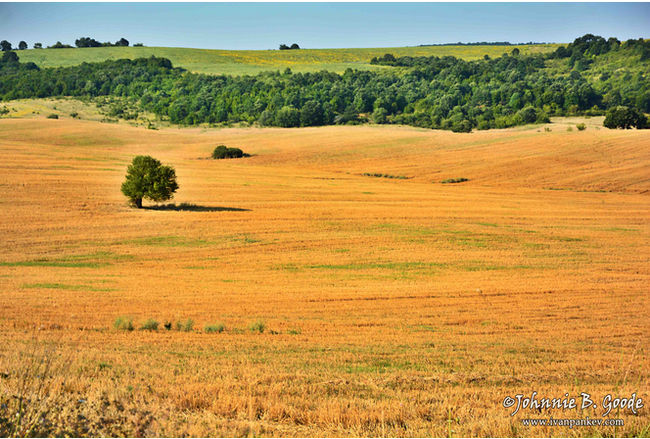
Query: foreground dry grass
(394, 307)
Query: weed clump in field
(185, 325)
(455, 180)
(168, 326)
(123, 323)
(581, 127)
(569, 128)
(214, 328)
(223, 152)
(294, 331)
(258, 326)
(149, 325)
(380, 175)
(547, 129)
(53, 116)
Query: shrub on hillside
(149, 325)
(214, 328)
(625, 118)
(185, 325)
(52, 116)
(258, 326)
(455, 180)
(287, 117)
(123, 323)
(223, 152)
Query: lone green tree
(147, 178)
(626, 118)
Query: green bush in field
(214, 328)
(150, 325)
(581, 127)
(52, 116)
(223, 152)
(625, 118)
(147, 178)
(455, 180)
(185, 325)
(258, 326)
(123, 323)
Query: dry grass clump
(215, 328)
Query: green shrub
(294, 331)
(74, 115)
(149, 325)
(185, 325)
(168, 326)
(547, 129)
(223, 152)
(625, 118)
(581, 127)
(52, 116)
(258, 326)
(287, 117)
(123, 323)
(455, 180)
(214, 328)
(569, 128)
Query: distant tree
(123, 42)
(380, 116)
(147, 178)
(223, 152)
(60, 45)
(10, 57)
(38, 45)
(87, 42)
(5, 45)
(527, 114)
(284, 47)
(625, 118)
(138, 45)
(294, 46)
(464, 126)
(22, 45)
(311, 114)
(266, 118)
(515, 52)
(287, 117)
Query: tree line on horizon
(5, 46)
(483, 43)
(583, 78)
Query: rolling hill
(250, 62)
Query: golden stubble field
(393, 307)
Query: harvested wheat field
(354, 304)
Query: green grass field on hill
(250, 62)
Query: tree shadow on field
(187, 207)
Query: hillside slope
(239, 62)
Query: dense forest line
(589, 76)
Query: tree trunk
(138, 203)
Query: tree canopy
(148, 178)
(583, 78)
